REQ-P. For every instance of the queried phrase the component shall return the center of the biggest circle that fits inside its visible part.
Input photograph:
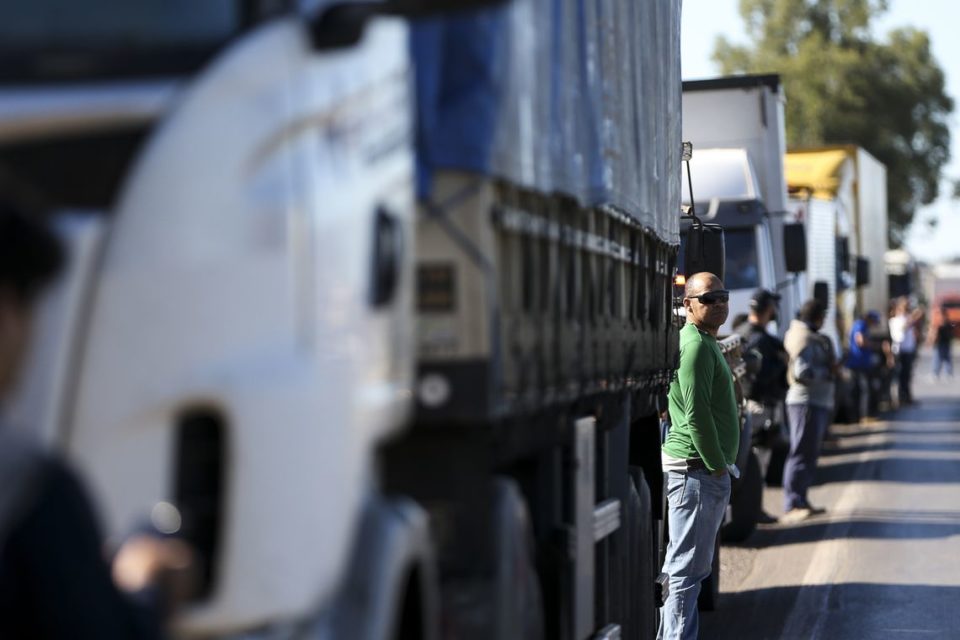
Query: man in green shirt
(698, 454)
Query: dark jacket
(54, 579)
(770, 384)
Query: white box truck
(374, 419)
(840, 193)
(736, 125)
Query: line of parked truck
(382, 305)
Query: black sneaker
(765, 518)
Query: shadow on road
(894, 445)
(849, 611)
(894, 469)
(875, 524)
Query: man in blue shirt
(861, 360)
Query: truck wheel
(746, 503)
(644, 560)
(519, 603)
(710, 587)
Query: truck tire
(746, 503)
(710, 587)
(644, 558)
(506, 602)
(519, 603)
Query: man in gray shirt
(809, 405)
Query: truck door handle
(387, 254)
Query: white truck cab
(233, 334)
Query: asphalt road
(884, 561)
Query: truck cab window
(742, 267)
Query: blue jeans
(941, 358)
(696, 502)
(808, 425)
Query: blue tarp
(579, 97)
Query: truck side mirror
(821, 293)
(705, 250)
(795, 247)
(863, 272)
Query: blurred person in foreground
(809, 406)
(55, 581)
(698, 454)
(941, 339)
(905, 335)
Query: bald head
(707, 312)
(700, 282)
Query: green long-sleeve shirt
(702, 404)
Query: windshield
(720, 173)
(55, 39)
(742, 267)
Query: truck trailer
(374, 313)
(842, 191)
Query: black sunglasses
(713, 297)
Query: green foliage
(845, 86)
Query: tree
(843, 86)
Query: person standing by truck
(698, 454)
(862, 360)
(941, 338)
(904, 333)
(809, 406)
(769, 386)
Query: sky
(703, 20)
